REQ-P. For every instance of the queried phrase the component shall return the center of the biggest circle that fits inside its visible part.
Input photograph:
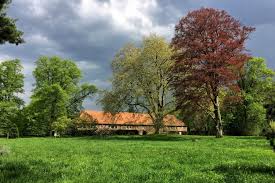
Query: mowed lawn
(138, 159)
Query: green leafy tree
(248, 115)
(57, 94)
(141, 80)
(8, 31)
(48, 104)
(54, 70)
(11, 78)
(11, 81)
(61, 124)
(11, 84)
(8, 113)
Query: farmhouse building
(135, 123)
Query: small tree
(8, 112)
(210, 47)
(60, 125)
(248, 115)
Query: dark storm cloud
(92, 36)
(259, 14)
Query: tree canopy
(210, 47)
(248, 115)
(11, 81)
(8, 31)
(57, 94)
(11, 85)
(141, 77)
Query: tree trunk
(157, 130)
(218, 118)
(158, 124)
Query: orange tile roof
(127, 118)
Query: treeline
(204, 76)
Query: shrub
(61, 124)
(82, 126)
(104, 131)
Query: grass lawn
(138, 159)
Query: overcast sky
(91, 31)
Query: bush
(88, 124)
(104, 131)
(4, 151)
(61, 124)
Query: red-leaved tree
(210, 49)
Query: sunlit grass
(138, 159)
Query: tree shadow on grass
(250, 137)
(236, 172)
(21, 172)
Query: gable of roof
(127, 118)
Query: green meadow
(137, 159)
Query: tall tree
(141, 80)
(8, 31)
(248, 116)
(210, 47)
(48, 104)
(11, 84)
(57, 93)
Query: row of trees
(57, 97)
(204, 75)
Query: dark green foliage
(246, 119)
(197, 121)
(75, 103)
(11, 84)
(247, 116)
(48, 104)
(271, 141)
(8, 31)
(8, 113)
(138, 159)
(61, 124)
